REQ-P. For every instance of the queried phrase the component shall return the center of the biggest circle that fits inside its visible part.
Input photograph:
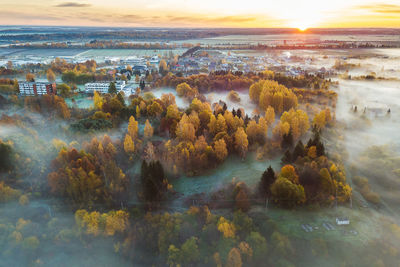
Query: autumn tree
(51, 77)
(97, 101)
(63, 90)
(241, 142)
(270, 115)
(148, 130)
(133, 128)
(129, 145)
(87, 179)
(220, 150)
(287, 193)
(270, 93)
(30, 77)
(321, 119)
(233, 96)
(217, 125)
(234, 258)
(257, 132)
(226, 227)
(187, 255)
(163, 67)
(105, 224)
(326, 181)
(289, 172)
(185, 90)
(242, 201)
(298, 122)
(185, 130)
(168, 99)
(8, 193)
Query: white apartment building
(102, 87)
(37, 88)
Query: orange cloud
(382, 8)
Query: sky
(300, 14)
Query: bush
(87, 125)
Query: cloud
(31, 17)
(382, 8)
(210, 20)
(72, 4)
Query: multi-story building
(37, 88)
(102, 87)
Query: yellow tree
(137, 111)
(234, 258)
(185, 130)
(270, 93)
(241, 142)
(148, 130)
(149, 78)
(30, 77)
(226, 228)
(321, 119)
(51, 77)
(184, 89)
(281, 129)
(289, 173)
(217, 125)
(262, 124)
(133, 128)
(195, 120)
(116, 221)
(129, 145)
(163, 67)
(200, 145)
(173, 112)
(97, 100)
(253, 131)
(312, 152)
(168, 99)
(270, 115)
(220, 150)
(298, 121)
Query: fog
(367, 139)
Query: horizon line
(199, 27)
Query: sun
(303, 23)
(304, 17)
(302, 28)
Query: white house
(342, 221)
(102, 87)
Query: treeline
(227, 81)
(171, 34)
(301, 46)
(101, 44)
(49, 105)
(9, 86)
(73, 77)
(9, 71)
